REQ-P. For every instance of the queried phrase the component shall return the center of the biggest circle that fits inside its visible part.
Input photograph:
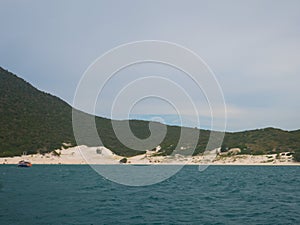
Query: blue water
(64, 194)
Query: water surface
(76, 194)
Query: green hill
(267, 140)
(30, 120)
(34, 121)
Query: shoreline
(158, 164)
(103, 156)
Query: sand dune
(102, 155)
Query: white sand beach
(102, 155)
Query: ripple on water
(218, 195)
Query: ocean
(76, 194)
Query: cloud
(252, 46)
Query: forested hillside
(34, 121)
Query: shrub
(124, 160)
(296, 156)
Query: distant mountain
(34, 121)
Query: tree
(297, 156)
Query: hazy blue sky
(253, 47)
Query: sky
(252, 47)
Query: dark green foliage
(34, 121)
(262, 141)
(296, 155)
(31, 120)
(123, 160)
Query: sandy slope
(102, 155)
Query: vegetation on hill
(34, 121)
(267, 140)
(30, 120)
(297, 156)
